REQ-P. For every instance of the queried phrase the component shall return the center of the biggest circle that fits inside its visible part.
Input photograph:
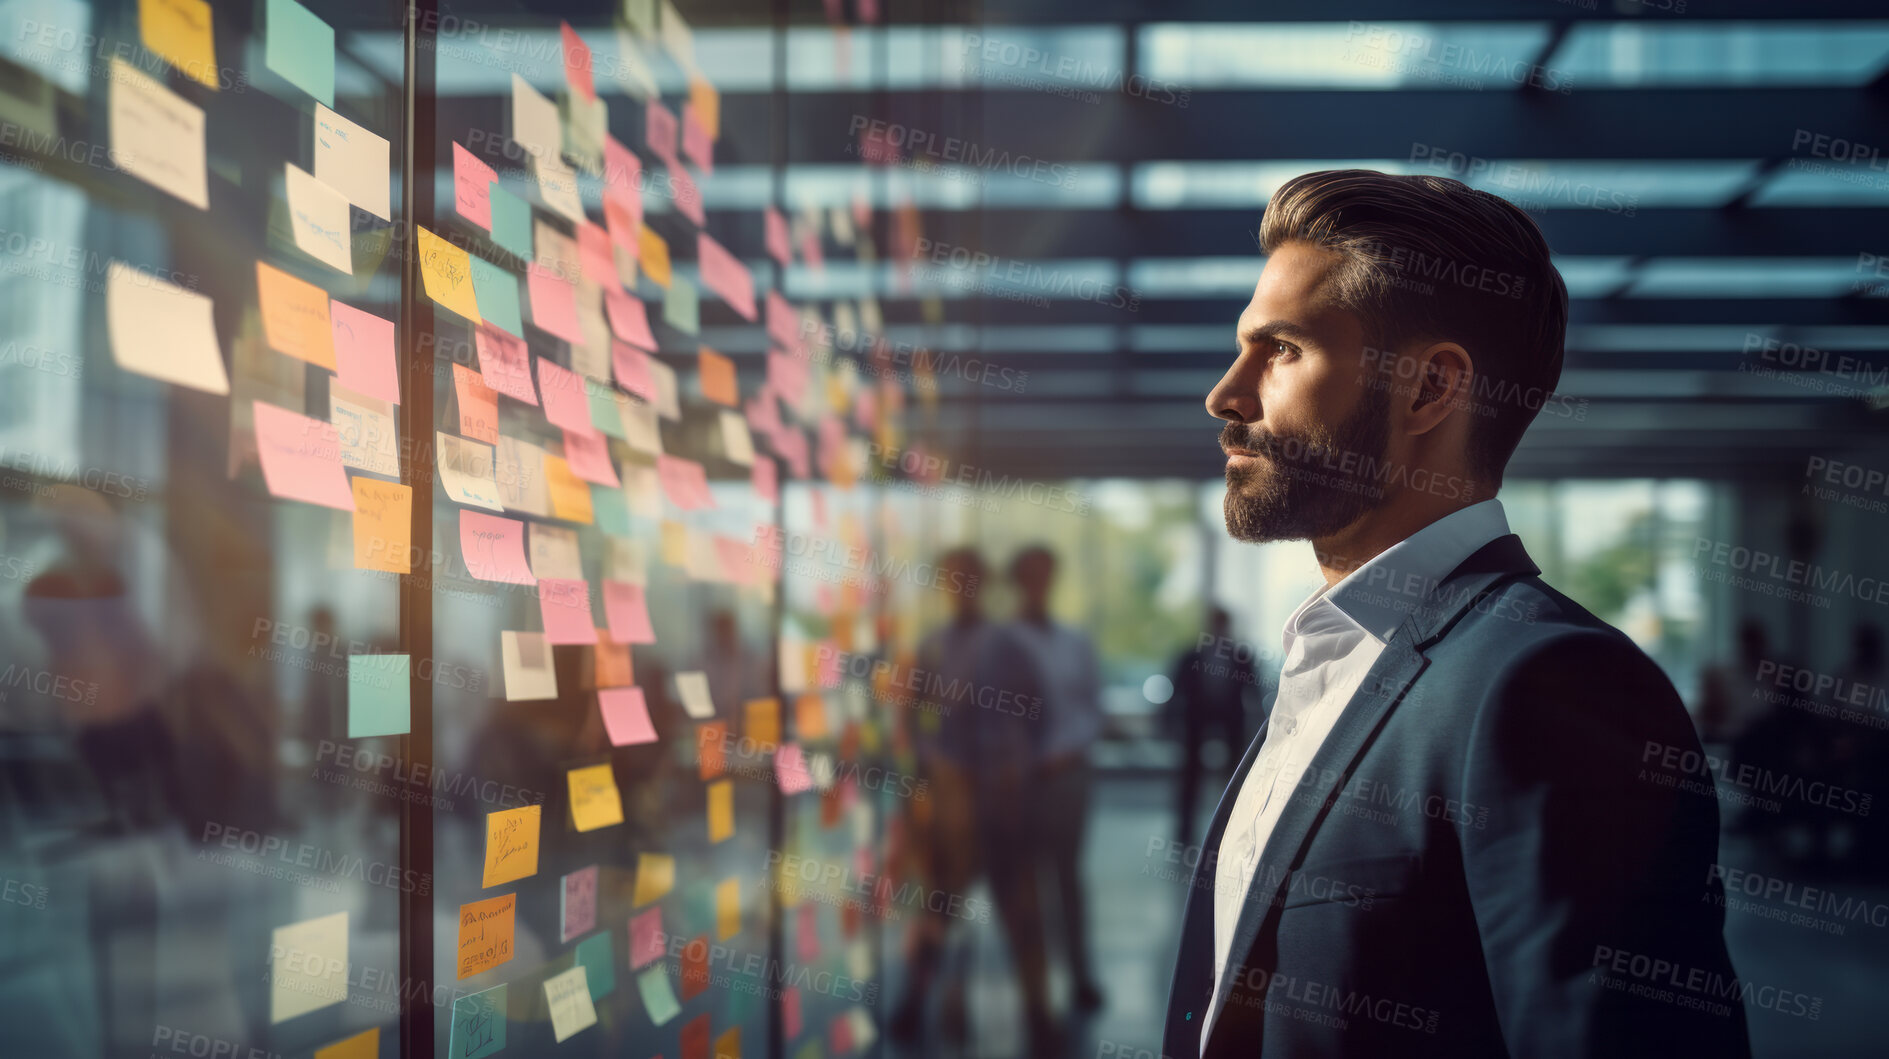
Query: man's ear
(1443, 376)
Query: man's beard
(1303, 487)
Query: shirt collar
(1377, 596)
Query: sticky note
(383, 525)
(301, 48)
(727, 908)
(626, 716)
(553, 303)
(157, 135)
(365, 425)
(614, 667)
(378, 696)
(569, 494)
(318, 218)
(162, 330)
(496, 290)
(629, 321)
(557, 186)
(494, 548)
(763, 721)
(179, 31)
(577, 905)
(654, 255)
(810, 716)
(790, 769)
(646, 938)
(807, 932)
(692, 688)
(364, 352)
(675, 542)
(659, 997)
(554, 553)
(684, 482)
(682, 308)
(562, 391)
(295, 318)
(446, 272)
(695, 979)
(466, 471)
(472, 187)
(721, 810)
(595, 802)
(353, 161)
(655, 877)
(595, 255)
(478, 405)
(598, 959)
(724, 274)
(485, 934)
(308, 966)
(737, 444)
(684, 192)
(527, 664)
(790, 1011)
(511, 845)
(640, 428)
(659, 130)
(707, 103)
(534, 118)
(565, 605)
(627, 610)
(728, 1045)
(364, 1045)
(511, 221)
(478, 1024)
(301, 458)
(589, 458)
(717, 376)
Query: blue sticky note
(301, 47)
(682, 307)
(596, 958)
(611, 510)
(478, 1025)
(511, 222)
(497, 291)
(378, 696)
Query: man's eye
(1281, 349)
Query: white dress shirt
(1072, 708)
(1331, 642)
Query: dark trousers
(1064, 813)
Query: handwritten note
(511, 844)
(157, 135)
(659, 996)
(478, 405)
(504, 363)
(364, 352)
(478, 1025)
(485, 934)
(466, 471)
(353, 161)
(318, 218)
(383, 525)
(446, 272)
(308, 966)
(577, 907)
(565, 606)
(724, 274)
(179, 31)
(162, 330)
(301, 48)
(595, 802)
(301, 458)
(494, 548)
(527, 663)
(589, 458)
(626, 716)
(654, 254)
(370, 441)
(557, 186)
(295, 318)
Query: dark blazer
(1501, 849)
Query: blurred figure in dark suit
(1209, 699)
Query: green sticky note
(611, 510)
(603, 409)
(511, 222)
(378, 699)
(596, 958)
(497, 291)
(659, 997)
(301, 47)
(478, 1025)
(682, 309)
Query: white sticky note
(557, 186)
(693, 687)
(308, 966)
(554, 553)
(369, 438)
(353, 161)
(668, 399)
(627, 559)
(534, 119)
(521, 478)
(162, 330)
(157, 135)
(640, 428)
(737, 444)
(568, 996)
(318, 215)
(467, 471)
(528, 670)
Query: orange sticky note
(595, 802)
(727, 908)
(707, 105)
(478, 405)
(718, 377)
(721, 810)
(360, 1046)
(446, 271)
(511, 844)
(383, 525)
(711, 749)
(764, 721)
(614, 668)
(485, 934)
(295, 317)
(654, 253)
(728, 1045)
(810, 716)
(570, 495)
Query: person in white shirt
(1476, 821)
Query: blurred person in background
(1448, 816)
(1209, 699)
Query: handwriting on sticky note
(383, 525)
(364, 352)
(295, 317)
(595, 802)
(353, 161)
(467, 471)
(157, 135)
(478, 1024)
(565, 604)
(180, 32)
(485, 934)
(478, 405)
(318, 218)
(446, 272)
(494, 548)
(578, 905)
(511, 845)
(472, 187)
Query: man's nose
(1236, 398)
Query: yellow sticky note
(179, 30)
(727, 908)
(721, 810)
(655, 876)
(447, 273)
(570, 495)
(383, 525)
(728, 1045)
(308, 966)
(511, 844)
(595, 802)
(654, 254)
(485, 933)
(675, 542)
(360, 1046)
(810, 716)
(764, 721)
(295, 316)
(707, 103)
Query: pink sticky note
(589, 458)
(788, 377)
(553, 303)
(659, 127)
(625, 716)
(827, 670)
(686, 195)
(790, 1011)
(766, 479)
(622, 170)
(842, 1028)
(780, 243)
(301, 458)
(478, 405)
(783, 323)
(737, 565)
(684, 482)
(565, 604)
(866, 410)
(622, 217)
(494, 548)
(565, 403)
(764, 416)
(646, 941)
(472, 187)
(580, 902)
(808, 933)
(504, 363)
(577, 63)
(810, 250)
(832, 443)
(792, 446)
(627, 609)
(697, 145)
(593, 252)
(632, 370)
(724, 274)
(790, 769)
(629, 319)
(364, 352)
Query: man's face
(1306, 437)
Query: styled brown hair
(1433, 259)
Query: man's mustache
(1240, 437)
